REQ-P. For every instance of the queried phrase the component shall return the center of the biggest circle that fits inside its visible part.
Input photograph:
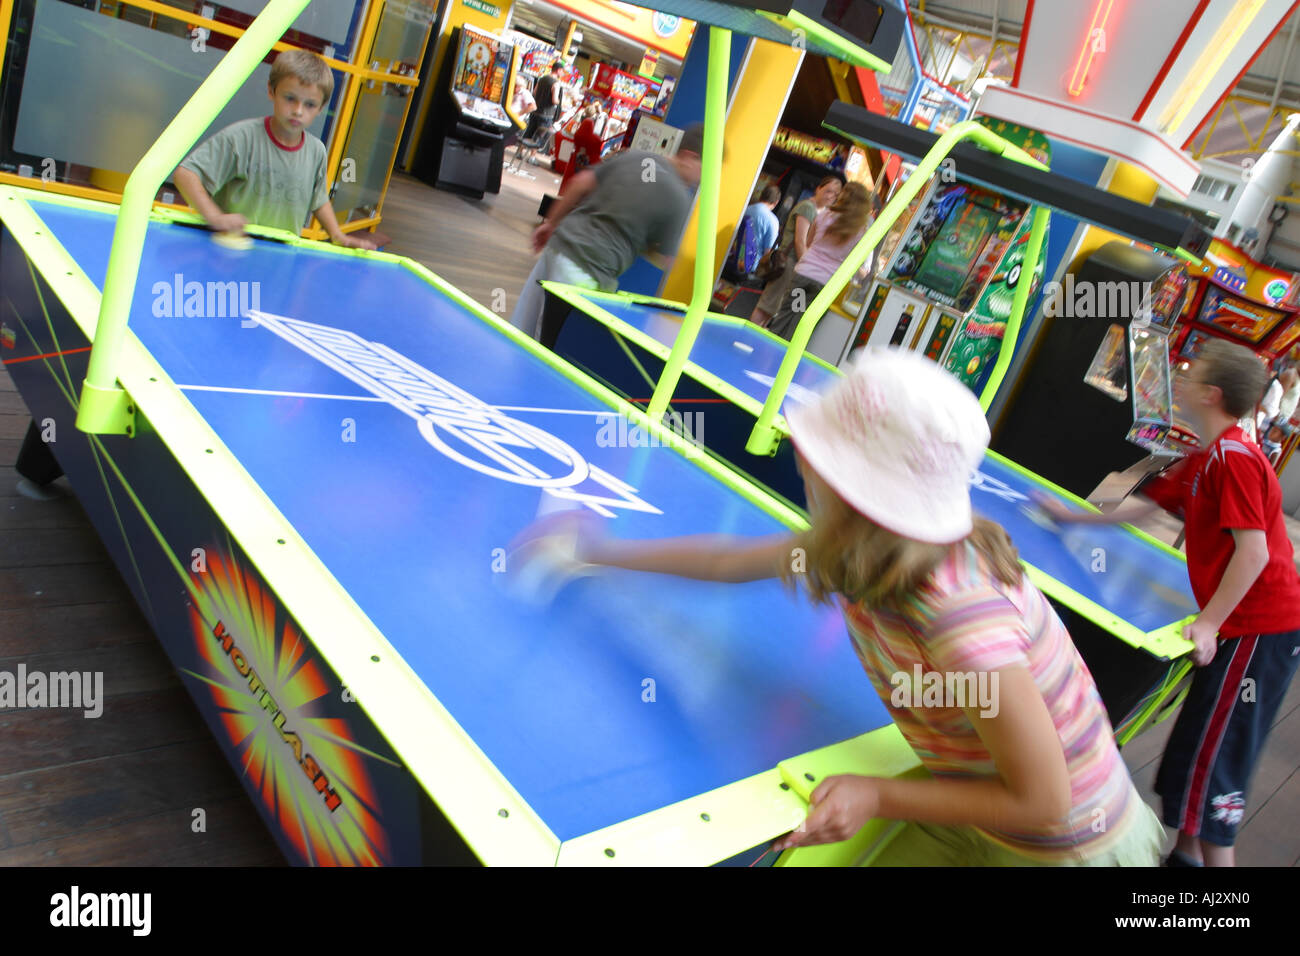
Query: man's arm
(1249, 558)
(326, 216)
(580, 187)
(191, 187)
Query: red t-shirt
(1231, 485)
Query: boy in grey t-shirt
(631, 204)
(270, 171)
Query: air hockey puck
(233, 240)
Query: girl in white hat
(1028, 774)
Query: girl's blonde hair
(851, 208)
(846, 553)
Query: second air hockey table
(331, 454)
(1123, 594)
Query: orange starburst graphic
(273, 695)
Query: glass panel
(1109, 368)
(68, 111)
(327, 19)
(1152, 396)
(402, 28)
(376, 127)
(1166, 300)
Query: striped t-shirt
(964, 622)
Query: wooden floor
(122, 789)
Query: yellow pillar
(756, 107)
(1131, 183)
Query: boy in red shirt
(1243, 574)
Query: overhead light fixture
(1207, 65)
(1094, 42)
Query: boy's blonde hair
(847, 553)
(306, 67)
(1236, 371)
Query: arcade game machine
(1095, 397)
(464, 143)
(623, 94)
(1220, 311)
(626, 93)
(1130, 617)
(949, 282)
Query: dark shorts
(1205, 775)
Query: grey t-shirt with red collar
(247, 171)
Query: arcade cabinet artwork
(1214, 311)
(464, 143)
(950, 270)
(1096, 395)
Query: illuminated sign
(809, 147)
(1231, 279)
(1276, 290)
(1093, 43)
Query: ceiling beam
(1286, 61)
(966, 20)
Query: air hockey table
(331, 454)
(1123, 594)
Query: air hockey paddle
(1040, 517)
(235, 241)
(543, 559)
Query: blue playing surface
(737, 352)
(1127, 576)
(407, 501)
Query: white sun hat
(897, 438)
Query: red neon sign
(1093, 43)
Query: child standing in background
(270, 171)
(1242, 570)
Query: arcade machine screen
(482, 74)
(1238, 317)
(953, 249)
(950, 257)
(1168, 298)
